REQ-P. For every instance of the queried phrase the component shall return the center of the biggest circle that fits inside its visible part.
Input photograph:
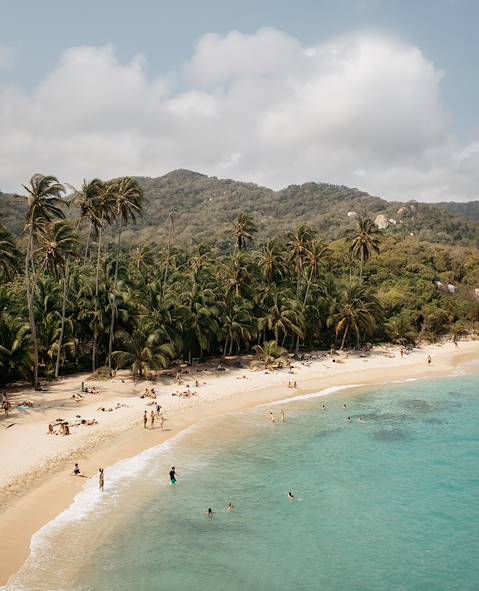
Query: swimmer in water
(323, 407)
(230, 508)
(349, 419)
(283, 418)
(272, 417)
(172, 476)
(344, 406)
(209, 513)
(360, 420)
(290, 496)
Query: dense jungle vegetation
(83, 285)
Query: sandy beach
(36, 480)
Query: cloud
(362, 110)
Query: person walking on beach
(172, 476)
(101, 479)
(429, 360)
(162, 422)
(272, 419)
(145, 419)
(152, 418)
(283, 417)
(158, 410)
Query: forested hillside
(109, 276)
(193, 208)
(468, 209)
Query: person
(272, 417)
(283, 418)
(101, 479)
(344, 406)
(197, 384)
(429, 360)
(402, 352)
(295, 385)
(152, 418)
(162, 422)
(349, 419)
(290, 496)
(66, 429)
(360, 420)
(4, 397)
(145, 419)
(6, 406)
(323, 407)
(158, 410)
(230, 508)
(173, 476)
(209, 513)
(76, 470)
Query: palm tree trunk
(346, 330)
(30, 289)
(113, 301)
(87, 243)
(231, 347)
(62, 328)
(97, 290)
(225, 348)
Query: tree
(44, 201)
(87, 199)
(269, 353)
(15, 348)
(271, 262)
(9, 254)
(365, 242)
(126, 196)
(57, 244)
(358, 312)
(243, 230)
(143, 350)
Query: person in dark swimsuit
(172, 476)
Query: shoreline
(50, 491)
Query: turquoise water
(390, 503)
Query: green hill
(202, 209)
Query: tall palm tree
(359, 313)
(44, 202)
(243, 230)
(282, 317)
(103, 209)
(58, 243)
(127, 196)
(365, 242)
(87, 199)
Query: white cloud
(363, 110)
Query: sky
(376, 94)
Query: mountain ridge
(192, 200)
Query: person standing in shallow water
(272, 419)
(172, 476)
(283, 417)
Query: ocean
(386, 503)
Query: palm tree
(9, 253)
(282, 316)
(44, 203)
(87, 199)
(103, 209)
(58, 243)
(365, 242)
(269, 353)
(127, 196)
(271, 262)
(243, 230)
(237, 324)
(359, 312)
(15, 348)
(143, 350)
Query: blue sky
(34, 35)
